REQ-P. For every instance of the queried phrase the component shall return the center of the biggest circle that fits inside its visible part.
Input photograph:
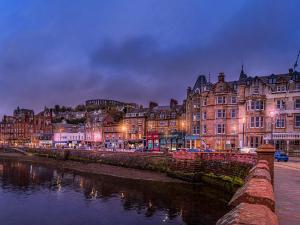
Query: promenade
(287, 191)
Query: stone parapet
(246, 214)
(254, 203)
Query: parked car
(281, 156)
(193, 150)
(248, 150)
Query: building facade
(247, 112)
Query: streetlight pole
(272, 113)
(243, 144)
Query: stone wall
(253, 203)
(148, 161)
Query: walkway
(287, 191)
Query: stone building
(114, 135)
(165, 126)
(19, 128)
(246, 112)
(134, 123)
(212, 114)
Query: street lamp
(272, 114)
(244, 120)
(124, 129)
(182, 131)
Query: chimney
(173, 103)
(188, 91)
(152, 105)
(221, 77)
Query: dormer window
(272, 80)
(255, 89)
(281, 88)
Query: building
(114, 135)
(107, 103)
(272, 111)
(43, 129)
(212, 114)
(247, 112)
(134, 123)
(68, 135)
(18, 129)
(165, 126)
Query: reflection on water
(35, 195)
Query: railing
(238, 157)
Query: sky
(67, 51)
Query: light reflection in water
(59, 197)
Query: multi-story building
(134, 123)
(212, 114)
(43, 129)
(246, 112)
(68, 135)
(19, 128)
(114, 135)
(272, 110)
(165, 126)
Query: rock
(249, 214)
(255, 191)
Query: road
(287, 191)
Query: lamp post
(272, 114)
(183, 131)
(124, 129)
(243, 143)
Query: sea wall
(254, 202)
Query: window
(280, 104)
(233, 113)
(280, 122)
(204, 129)
(204, 102)
(297, 120)
(233, 99)
(255, 89)
(204, 115)
(220, 129)
(256, 105)
(256, 122)
(220, 113)
(220, 100)
(254, 142)
(297, 104)
(281, 88)
(196, 116)
(196, 129)
(298, 86)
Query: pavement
(287, 191)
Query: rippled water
(37, 195)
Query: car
(248, 150)
(193, 150)
(281, 156)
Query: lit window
(280, 122)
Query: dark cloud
(57, 53)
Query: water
(37, 195)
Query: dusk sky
(67, 51)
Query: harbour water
(32, 194)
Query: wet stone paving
(287, 191)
